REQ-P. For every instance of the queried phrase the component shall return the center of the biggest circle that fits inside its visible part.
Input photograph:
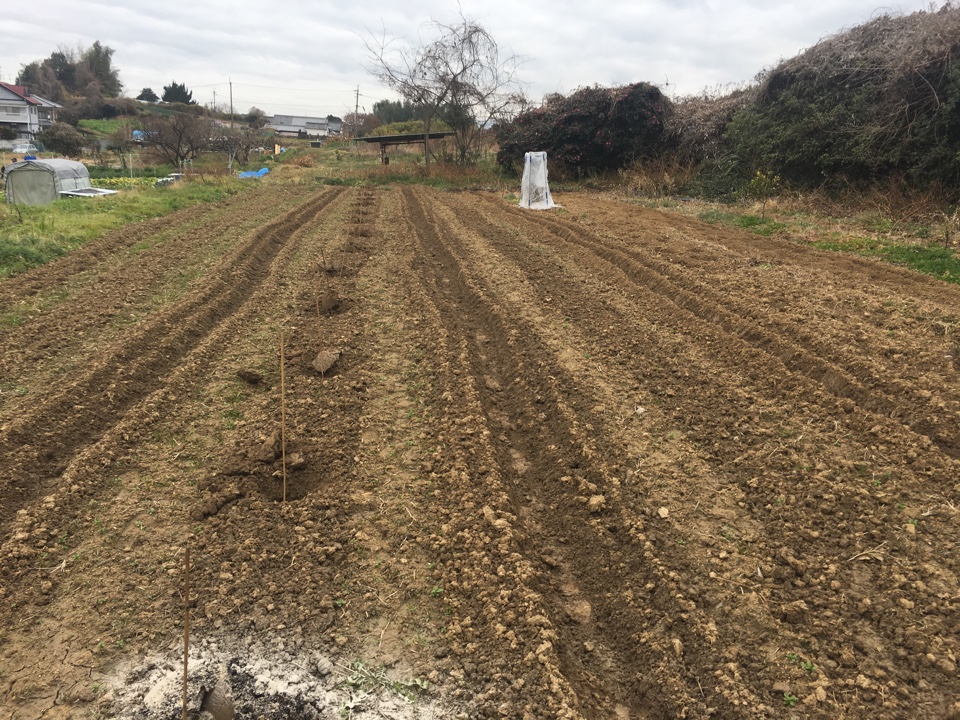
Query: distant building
(302, 126)
(27, 114)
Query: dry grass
(659, 178)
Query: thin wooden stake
(283, 420)
(316, 295)
(186, 625)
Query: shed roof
(403, 139)
(61, 166)
(38, 182)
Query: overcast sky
(309, 58)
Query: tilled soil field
(598, 462)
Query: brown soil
(599, 462)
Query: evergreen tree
(177, 93)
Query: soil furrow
(15, 289)
(561, 467)
(762, 476)
(548, 494)
(71, 314)
(43, 440)
(832, 377)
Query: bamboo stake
(186, 625)
(283, 420)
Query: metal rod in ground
(186, 625)
(283, 420)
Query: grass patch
(107, 127)
(760, 226)
(935, 260)
(920, 247)
(21, 253)
(49, 231)
(753, 223)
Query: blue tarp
(254, 173)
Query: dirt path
(598, 462)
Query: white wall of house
(28, 119)
(24, 116)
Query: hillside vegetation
(879, 100)
(876, 103)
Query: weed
(436, 591)
(367, 679)
(789, 700)
(808, 666)
(793, 658)
(728, 532)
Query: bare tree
(361, 123)
(461, 68)
(180, 137)
(237, 142)
(120, 141)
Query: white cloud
(310, 57)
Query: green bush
(62, 138)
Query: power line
(274, 87)
(258, 103)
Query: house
(302, 126)
(27, 114)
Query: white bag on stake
(534, 189)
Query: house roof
(20, 91)
(23, 92)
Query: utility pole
(231, 101)
(214, 100)
(356, 112)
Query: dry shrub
(661, 177)
(696, 124)
(901, 56)
(875, 101)
(466, 175)
(304, 161)
(893, 198)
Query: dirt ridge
(66, 422)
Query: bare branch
(461, 70)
